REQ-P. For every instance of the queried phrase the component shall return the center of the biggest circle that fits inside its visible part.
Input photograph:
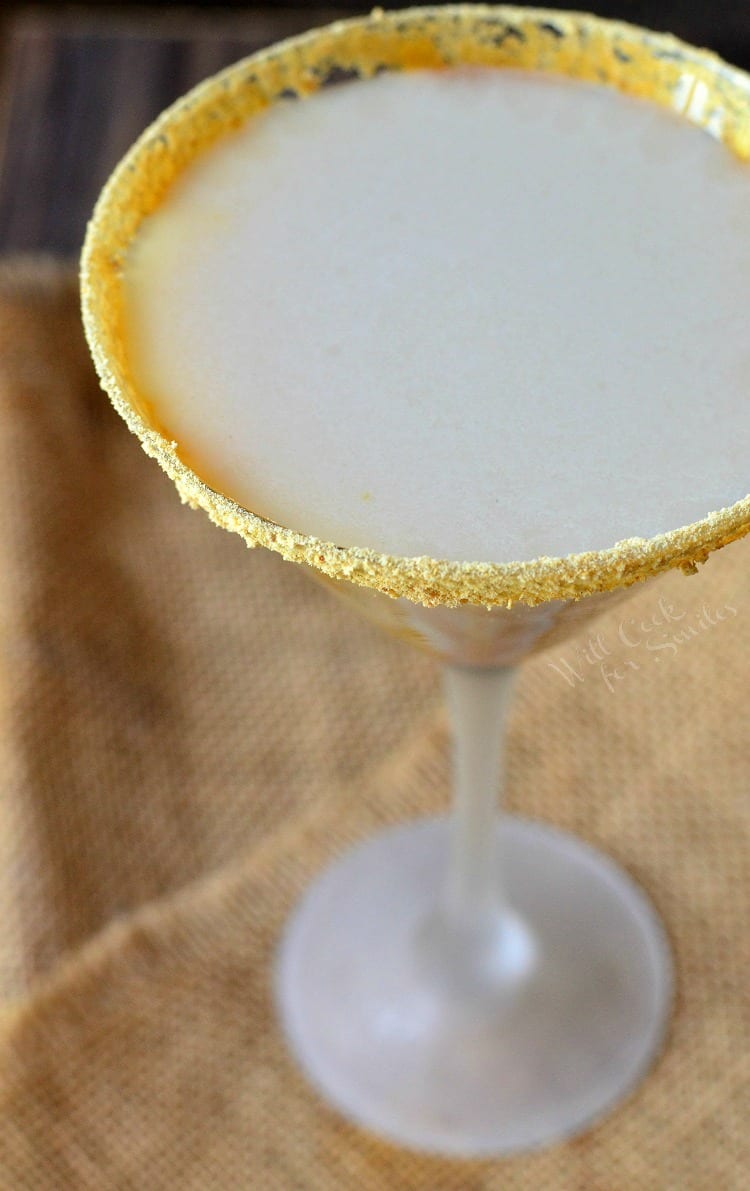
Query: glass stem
(477, 701)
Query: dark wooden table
(77, 87)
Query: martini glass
(469, 985)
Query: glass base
(442, 1059)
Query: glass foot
(430, 1060)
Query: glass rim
(692, 82)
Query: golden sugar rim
(693, 82)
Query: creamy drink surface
(476, 314)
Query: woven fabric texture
(190, 731)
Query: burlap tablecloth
(189, 731)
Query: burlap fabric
(190, 731)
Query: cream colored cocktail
(473, 314)
(468, 331)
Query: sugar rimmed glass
(465, 986)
